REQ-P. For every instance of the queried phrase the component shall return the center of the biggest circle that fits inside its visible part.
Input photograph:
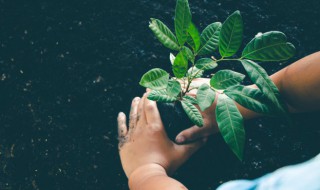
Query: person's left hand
(146, 142)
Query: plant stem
(190, 79)
(188, 86)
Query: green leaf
(182, 20)
(190, 99)
(195, 72)
(188, 53)
(180, 65)
(205, 96)
(164, 34)
(161, 96)
(173, 88)
(210, 39)
(231, 35)
(250, 98)
(193, 37)
(226, 78)
(260, 77)
(230, 123)
(270, 46)
(155, 79)
(192, 112)
(190, 42)
(206, 64)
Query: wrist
(245, 112)
(143, 173)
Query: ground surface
(68, 67)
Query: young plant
(227, 38)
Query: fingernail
(121, 114)
(180, 139)
(136, 99)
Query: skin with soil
(67, 68)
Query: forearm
(153, 176)
(298, 84)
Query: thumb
(191, 134)
(187, 150)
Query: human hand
(146, 142)
(210, 125)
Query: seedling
(188, 45)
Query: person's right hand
(209, 118)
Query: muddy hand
(145, 141)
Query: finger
(134, 112)
(196, 83)
(148, 90)
(187, 150)
(141, 120)
(192, 134)
(122, 127)
(192, 93)
(183, 83)
(152, 112)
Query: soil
(174, 118)
(68, 67)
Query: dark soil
(68, 67)
(173, 118)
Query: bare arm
(154, 177)
(298, 83)
(147, 155)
